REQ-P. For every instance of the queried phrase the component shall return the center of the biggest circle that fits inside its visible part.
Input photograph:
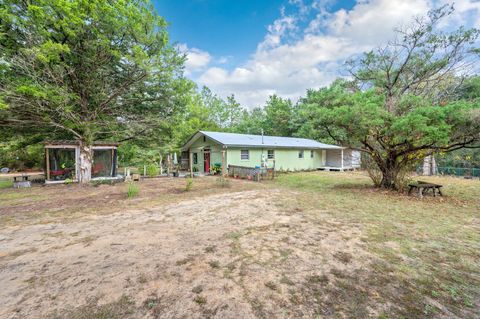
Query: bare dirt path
(244, 254)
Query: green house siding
(234, 158)
(285, 152)
(199, 147)
(285, 159)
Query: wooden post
(47, 163)
(161, 167)
(273, 171)
(144, 170)
(223, 163)
(168, 165)
(190, 162)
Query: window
(195, 158)
(311, 153)
(244, 155)
(204, 138)
(300, 154)
(270, 154)
(103, 165)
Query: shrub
(189, 184)
(133, 190)
(152, 170)
(216, 168)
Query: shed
(62, 161)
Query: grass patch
(132, 190)
(189, 184)
(430, 245)
(121, 309)
(6, 184)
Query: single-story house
(209, 149)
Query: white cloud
(197, 59)
(316, 55)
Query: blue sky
(257, 48)
(226, 28)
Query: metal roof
(77, 142)
(248, 140)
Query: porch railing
(253, 173)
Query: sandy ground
(240, 254)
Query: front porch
(340, 160)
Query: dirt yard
(236, 250)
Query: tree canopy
(403, 103)
(87, 69)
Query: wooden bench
(424, 187)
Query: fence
(455, 171)
(255, 174)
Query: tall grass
(132, 190)
(189, 184)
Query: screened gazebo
(62, 161)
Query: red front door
(206, 162)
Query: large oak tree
(402, 104)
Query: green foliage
(82, 69)
(216, 168)
(189, 184)
(466, 158)
(20, 152)
(152, 170)
(132, 190)
(408, 112)
(278, 115)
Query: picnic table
(423, 187)
(21, 180)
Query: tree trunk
(85, 161)
(389, 179)
(390, 171)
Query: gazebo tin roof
(76, 142)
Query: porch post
(223, 162)
(190, 161)
(342, 158)
(47, 163)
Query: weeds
(197, 289)
(223, 182)
(122, 308)
(200, 300)
(133, 190)
(189, 184)
(214, 264)
(271, 285)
